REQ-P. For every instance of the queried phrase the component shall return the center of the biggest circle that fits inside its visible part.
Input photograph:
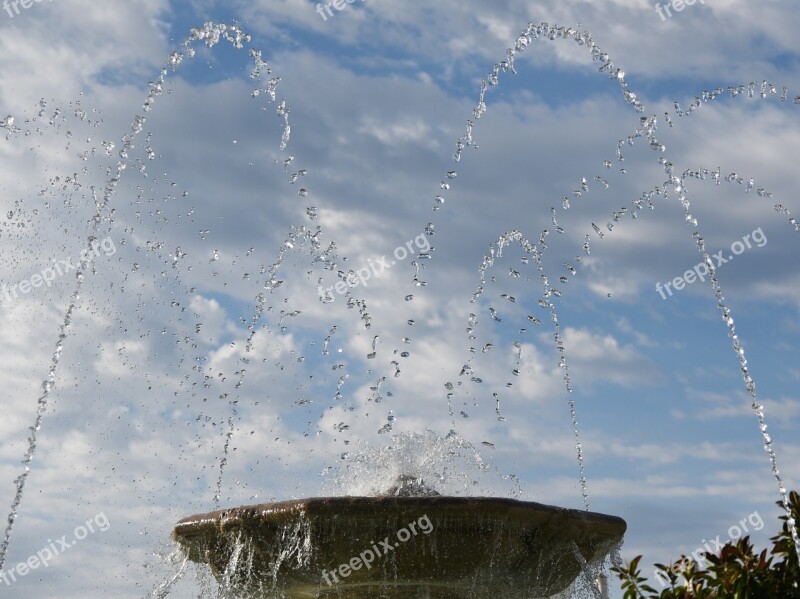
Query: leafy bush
(736, 572)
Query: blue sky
(378, 96)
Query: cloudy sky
(209, 328)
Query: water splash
(449, 465)
(466, 141)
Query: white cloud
(141, 412)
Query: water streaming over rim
(212, 33)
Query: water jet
(469, 547)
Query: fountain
(406, 540)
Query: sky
(208, 328)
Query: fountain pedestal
(398, 547)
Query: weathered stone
(464, 547)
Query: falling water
(211, 33)
(534, 32)
(738, 347)
(163, 589)
(534, 252)
(590, 574)
(531, 33)
(647, 130)
(47, 387)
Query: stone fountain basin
(457, 548)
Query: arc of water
(738, 91)
(534, 32)
(535, 252)
(678, 183)
(648, 127)
(699, 172)
(211, 33)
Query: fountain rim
(364, 507)
(532, 531)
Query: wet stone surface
(407, 543)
